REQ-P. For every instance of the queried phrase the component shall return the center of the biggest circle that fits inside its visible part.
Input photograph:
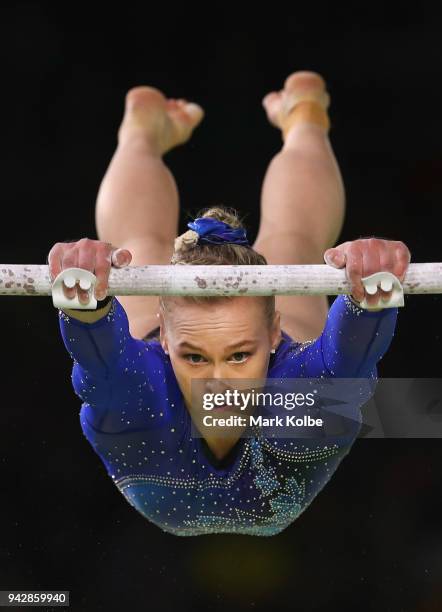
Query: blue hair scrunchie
(212, 231)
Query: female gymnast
(134, 356)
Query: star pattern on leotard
(286, 505)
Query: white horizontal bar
(223, 280)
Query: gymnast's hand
(366, 256)
(94, 255)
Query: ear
(162, 331)
(275, 333)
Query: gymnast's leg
(303, 197)
(138, 203)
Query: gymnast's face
(200, 337)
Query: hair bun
(226, 214)
(189, 249)
(186, 241)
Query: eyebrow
(229, 346)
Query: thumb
(121, 257)
(334, 258)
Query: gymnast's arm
(354, 338)
(353, 341)
(112, 371)
(96, 340)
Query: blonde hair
(187, 251)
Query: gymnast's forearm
(354, 340)
(99, 347)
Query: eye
(240, 353)
(192, 355)
(188, 356)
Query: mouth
(223, 408)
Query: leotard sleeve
(120, 379)
(351, 344)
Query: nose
(217, 385)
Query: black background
(372, 540)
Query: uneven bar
(222, 280)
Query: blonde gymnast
(134, 357)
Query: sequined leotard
(134, 416)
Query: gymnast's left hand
(366, 256)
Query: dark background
(372, 540)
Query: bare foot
(163, 123)
(304, 98)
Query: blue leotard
(134, 416)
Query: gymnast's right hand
(94, 255)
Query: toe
(272, 105)
(186, 111)
(269, 98)
(195, 111)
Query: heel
(305, 104)
(306, 111)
